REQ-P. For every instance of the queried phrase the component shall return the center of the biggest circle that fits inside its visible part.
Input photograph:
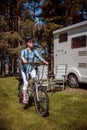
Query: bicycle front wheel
(42, 103)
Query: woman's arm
(22, 57)
(43, 60)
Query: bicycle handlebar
(36, 64)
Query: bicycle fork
(37, 92)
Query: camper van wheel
(73, 81)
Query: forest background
(38, 19)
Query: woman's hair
(27, 38)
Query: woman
(28, 55)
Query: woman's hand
(24, 60)
(46, 62)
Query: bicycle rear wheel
(42, 105)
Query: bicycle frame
(37, 81)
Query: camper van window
(78, 42)
(63, 37)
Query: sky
(30, 7)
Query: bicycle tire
(42, 106)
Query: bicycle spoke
(43, 103)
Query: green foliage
(64, 12)
(4, 47)
(53, 11)
(11, 35)
(15, 51)
(2, 21)
(27, 27)
(7, 41)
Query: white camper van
(70, 48)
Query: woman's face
(30, 44)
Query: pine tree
(52, 16)
(75, 10)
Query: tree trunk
(3, 65)
(18, 9)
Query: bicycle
(36, 93)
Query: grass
(67, 110)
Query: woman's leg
(33, 74)
(25, 86)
